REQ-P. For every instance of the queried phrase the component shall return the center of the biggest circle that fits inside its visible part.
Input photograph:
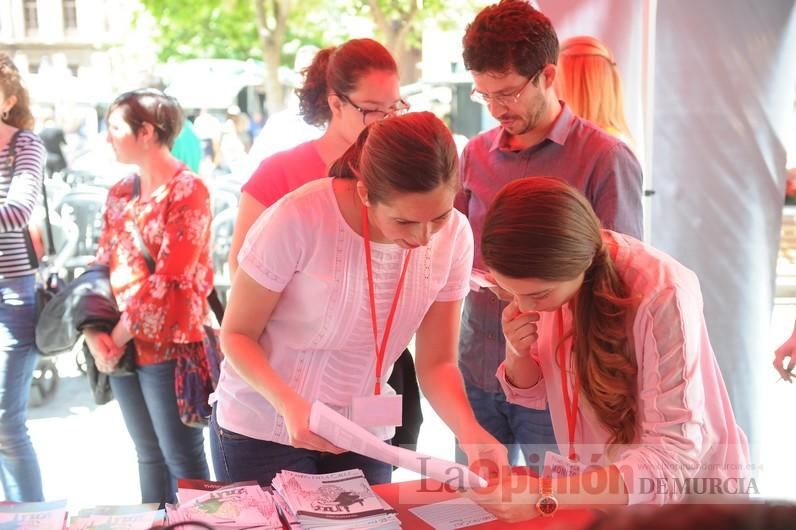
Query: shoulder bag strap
(48, 227)
(136, 232)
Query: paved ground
(87, 457)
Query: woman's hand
(520, 330)
(121, 335)
(512, 499)
(485, 455)
(786, 351)
(296, 411)
(104, 350)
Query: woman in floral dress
(162, 312)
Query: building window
(31, 13)
(70, 14)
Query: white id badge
(377, 411)
(559, 466)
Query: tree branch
(380, 17)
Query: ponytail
(313, 103)
(606, 365)
(347, 166)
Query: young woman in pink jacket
(610, 333)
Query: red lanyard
(571, 407)
(369, 261)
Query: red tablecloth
(405, 495)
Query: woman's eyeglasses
(371, 115)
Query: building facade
(75, 51)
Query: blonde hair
(588, 80)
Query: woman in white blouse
(610, 333)
(324, 275)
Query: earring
(4, 115)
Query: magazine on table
(30, 515)
(191, 488)
(239, 505)
(135, 517)
(334, 500)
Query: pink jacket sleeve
(534, 397)
(671, 345)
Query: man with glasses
(511, 49)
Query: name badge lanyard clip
(570, 405)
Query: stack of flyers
(334, 501)
(235, 506)
(289, 518)
(29, 515)
(137, 517)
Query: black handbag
(49, 285)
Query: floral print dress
(165, 311)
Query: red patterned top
(170, 306)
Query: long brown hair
(11, 82)
(542, 228)
(413, 153)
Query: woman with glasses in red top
(345, 88)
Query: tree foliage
(244, 29)
(204, 28)
(400, 23)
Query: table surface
(405, 495)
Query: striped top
(18, 196)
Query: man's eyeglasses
(371, 115)
(504, 100)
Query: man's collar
(558, 133)
(562, 125)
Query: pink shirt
(686, 427)
(283, 172)
(319, 336)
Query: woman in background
(163, 311)
(588, 80)
(345, 88)
(19, 466)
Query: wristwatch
(547, 504)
